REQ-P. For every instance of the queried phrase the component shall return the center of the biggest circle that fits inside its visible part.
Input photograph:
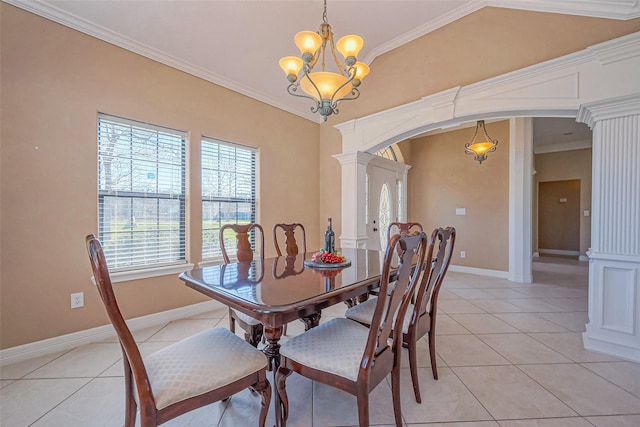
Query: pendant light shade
(481, 144)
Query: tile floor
(509, 355)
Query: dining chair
(291, 245)
(244, 253)
(420, 317)
(204, 368)
(352, 357)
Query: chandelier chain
(324, 14)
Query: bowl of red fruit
(324, 259)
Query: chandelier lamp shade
(481, 144)
(326, 88)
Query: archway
(586, 85)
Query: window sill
(211, 261)
(146, 273)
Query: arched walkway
(598, 86)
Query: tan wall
(560, 166)
(486, 43)
(444, 178)
(54, 82)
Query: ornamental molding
(555, 88)
(609, 109)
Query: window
(388, 153)
(228, 190)
(384, 215)
(141, 194)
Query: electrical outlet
(463, 254)
(77, 300)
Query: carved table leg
(272, 351)
(311, 321)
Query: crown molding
(611, 9)
(426, 28)
(75, 22)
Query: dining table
(279, 290)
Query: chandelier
(481, 144)
(326, 88)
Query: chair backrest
(291, 245)
(437, 262)
(243, 245)
(396, 285)
(404, 228)
(131, 353)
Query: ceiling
(238, 43)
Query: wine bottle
(329, 239)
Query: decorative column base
(614, 306)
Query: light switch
(461, 211)
(586, 213)
(563, 200)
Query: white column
(614, 256)
(354, 171)
(520, 195)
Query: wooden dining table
(279, 290)
(276, 291)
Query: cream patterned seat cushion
(336, 347)
(246, 318)
(206, 361)
(363, 313)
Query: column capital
(354, 157)
(592, 112)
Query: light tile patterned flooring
(509, 355)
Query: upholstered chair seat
(342, 357)
(208, 360)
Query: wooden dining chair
(420, 317)
(290, 242)
(204, 368)
(352, 357)
(244, 253)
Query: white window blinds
(228, 191)
(141, 193)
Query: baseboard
(479, 271)
(100, 333)
(558, 252)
